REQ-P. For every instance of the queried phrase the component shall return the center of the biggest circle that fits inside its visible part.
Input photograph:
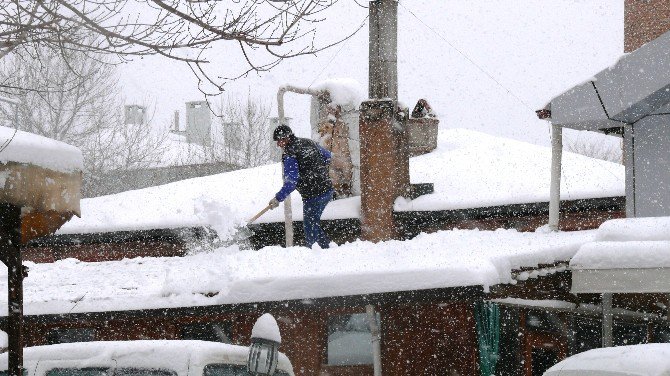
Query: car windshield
(77, 372)
(143, 372)
(231, 370)
(6, 373)
(106, 372)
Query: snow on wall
(228, 276)
(24, 147)
(469, 169)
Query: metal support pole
(376, 340)
(629, 162)
(555, 187)
(288, 213)
(607, 319)
(10, 253)
(383, 45)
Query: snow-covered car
(636, 360)
(140, 358)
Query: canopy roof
(636, 86)
(630, 255)
(42, 176)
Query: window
(143, 372)
(542, 359)
(588, 335)
(77, 372)
(660, 334)
(542, 321)
(231, 370)
(624, 333)
(208, 331)
(70, 335)
(6, 373)
(106, 372)
(349, 340)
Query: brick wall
(644, 20)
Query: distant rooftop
(469, 170)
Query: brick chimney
(644, 20)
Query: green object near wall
(487, 318)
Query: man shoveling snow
(306, 169)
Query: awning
(636, 86)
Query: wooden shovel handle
(255, 217)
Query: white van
(636, 360)
(139, 358)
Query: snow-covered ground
(228, 275)
(469, 169)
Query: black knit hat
(282, 131)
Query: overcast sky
(483, 65)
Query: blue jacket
(305, 168)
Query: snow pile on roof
(469, 170)
(23, 147)
(635, 229)
(645, 360)
(627, 243)
(472, 169)
(345, 92)
(227, 276)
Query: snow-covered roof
(178, 152)
(228, 276)
(627, 243)
(637, 360)
(469, 169)
(23, 147)
(627, 255)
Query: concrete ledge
(632, 280)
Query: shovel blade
(243, 233)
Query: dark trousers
(311, 212)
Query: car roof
(636, 360)
(172, 354)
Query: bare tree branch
(176, 29)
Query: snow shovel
(244, 232)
